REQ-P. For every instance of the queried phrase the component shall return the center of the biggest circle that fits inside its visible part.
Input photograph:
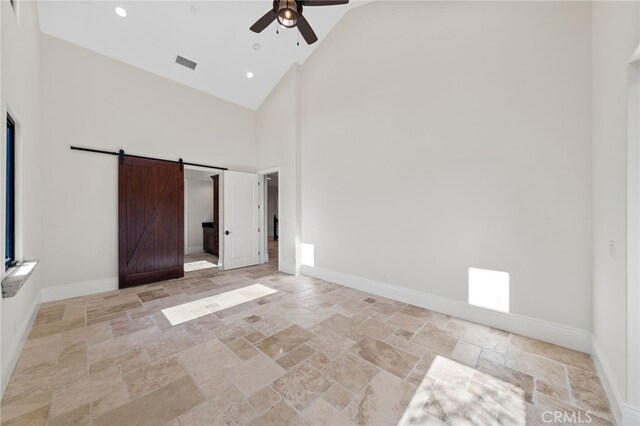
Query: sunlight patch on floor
(454, 393)
(208, 305)
(198, 265)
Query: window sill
(16, 277)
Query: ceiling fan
(289, 15)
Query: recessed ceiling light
(256, 47)
(193, 9)
(121, 12)
(249, 74)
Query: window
(10, 200)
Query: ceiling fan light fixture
(287, 13)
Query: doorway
(272, 219)
(201, 219)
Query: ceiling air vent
(185, 62)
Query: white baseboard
(625, 414)
(16, 349)
(68, 291)
(194, 250)
(630, 416)
(569, 337)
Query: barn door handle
(227, 232)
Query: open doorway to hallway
(201, 219)
(272, 216)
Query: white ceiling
(217, 37)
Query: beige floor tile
(536, 366)
(554, 352)
(226, 407)
(406, 322)
(295, 357)
(351, 372)
(372, 328)
(117, 397)
(321, 413)
(79, 417)
(588, 392)
(301, 385)
(284, 341)
(208, 360)
(466, 353)
(436, 339)
(559, 392)
(382, 402)
(505, 379)
(450, 372)
(497, 357)
(331, 344)
(264, 399)
(425, 314)
(154, 376)
(169, 346)
(25, 405)
(32, 418)
(279, 415)
(385, 356)
(160, 406)
(120, 327)
(253, 374)
(243, 348)
(338, 396)
(484, 338)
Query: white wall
(464, 144)
(199, 203)
(278, 146)
(94, 101)
(615, 38)
(20, 95)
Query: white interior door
(240, 220)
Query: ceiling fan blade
(323, 2)
(264, 22)
(305, 29)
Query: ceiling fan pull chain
(298, 38)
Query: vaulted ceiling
(214, 34)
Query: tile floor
(312, 353)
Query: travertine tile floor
(312, 353)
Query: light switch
(612, 249)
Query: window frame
(10, 194)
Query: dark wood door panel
(151, 221)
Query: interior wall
(20, 95)
(94, 101)
(278, 146)
(473, 150)
(199, 201)
(615, 38)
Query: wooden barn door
(151, 224)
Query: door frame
(632, 396)
(219, 201)
(263, 220)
